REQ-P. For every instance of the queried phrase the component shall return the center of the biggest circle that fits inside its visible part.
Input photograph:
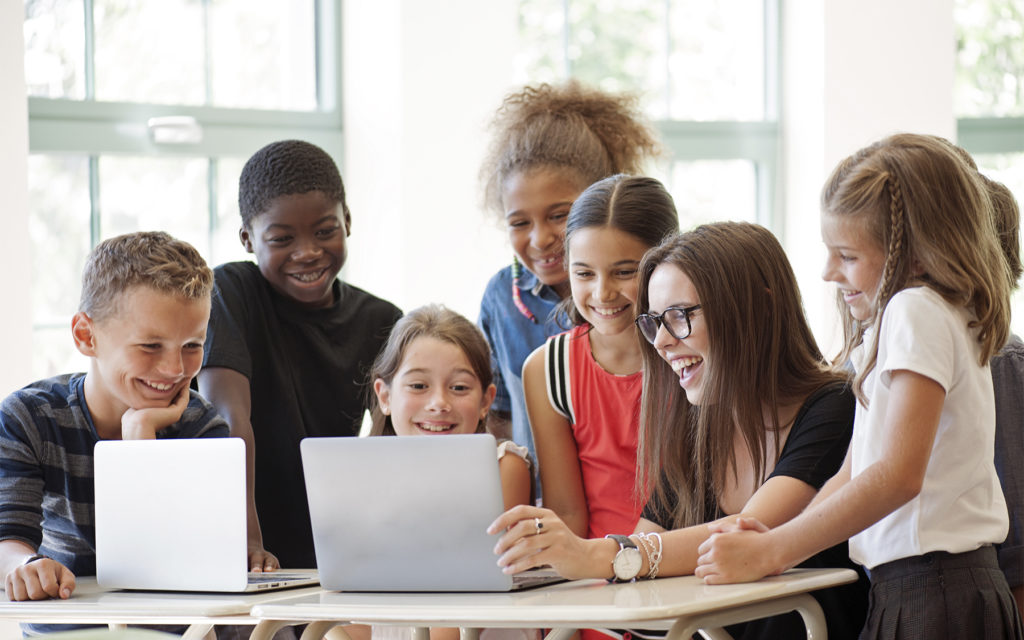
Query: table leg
(560, 634)
(265, 629)
(814, 618)
(712, 621)
(317, 630)
(197, 631)
(714, 634)
(421, 633)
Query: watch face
(627, 563)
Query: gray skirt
(941, 596)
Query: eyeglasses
(675, 319)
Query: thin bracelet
(33, 558)
(646, 545)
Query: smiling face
(670, 287)
(434, 391)
(299, 244)
(537, 205)
(143, 355)
(855, 263)
(603, 264)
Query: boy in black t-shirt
(288, 342)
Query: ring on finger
(539, 526)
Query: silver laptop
(170, 515)
(407, 514)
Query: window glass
(619, 45)
(54, 352)
(155, 193)
(55, 48)
(150, 51)
(256, 54)
(713, 190)
(262, 55)
(990, 57)
(226, 245)
(716, 64)
(59, 231)
(540, 56)
(688, 59)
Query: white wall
(415, 125)
(15, 263)
(854, 72)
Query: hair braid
(897, 217)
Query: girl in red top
(583, 386)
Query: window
(141, 115)
(989, 95)
(706, 73)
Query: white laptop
(170, 515)
(407, 514)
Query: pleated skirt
(941, 596)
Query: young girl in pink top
(583, 387)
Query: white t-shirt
(961, 505)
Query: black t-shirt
(307, 373)
(813, 453)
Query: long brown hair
(762, 356)
(434, 321)
(928, 210)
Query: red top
(607, 411)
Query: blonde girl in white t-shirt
(924, 295)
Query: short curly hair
(587, 133)
(285, 168)
(152, 259)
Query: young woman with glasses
(740, 416)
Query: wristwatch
(627, 562)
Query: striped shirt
(46, 466)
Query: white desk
(91, 604)
(683, 605)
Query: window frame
(93, 128)
(90, 128)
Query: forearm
(852, 507)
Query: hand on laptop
(40, 580)
(535, 537)
(262, 560)
(142, 424)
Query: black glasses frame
(657, 319)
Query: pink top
(607, 410)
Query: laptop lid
(404, 513)
(170, 515)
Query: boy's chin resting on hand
(40, 579)
(142, 424)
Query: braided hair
(928, 210)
